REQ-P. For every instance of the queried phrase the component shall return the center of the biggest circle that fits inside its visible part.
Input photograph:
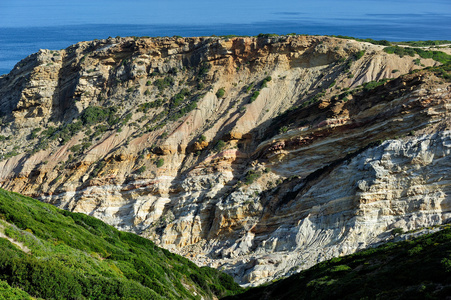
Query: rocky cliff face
(258, 156)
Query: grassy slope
(9, 293)
(414, 269)
(74, 256)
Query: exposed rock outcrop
(253, 155)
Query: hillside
(414, 269)
(54, 254)
(259, 156)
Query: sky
(35, 13)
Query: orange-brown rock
(295, 163)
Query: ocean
(17, 43)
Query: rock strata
(257, 156)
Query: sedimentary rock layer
(258, 156)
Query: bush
(397, 231)
(34, 133)
(219, 146)
(283, 129)
(220, 93)
(203, 70)
(359, 54)
(254, 96)
(141, 170)
(251, 176)
(179, 97)
(161, 84)
(160, 162)
(75, 148)
(95, 114)
(265, 81)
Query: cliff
(54, 254)
(414, 269)
(257, 156)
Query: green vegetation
(162, 84)
(443, 71)
(266, 35)
(34, 133)
(265, 81)
(96, 114)
(425, 43)
(179, 97)
(373, 84)
(183, 111)
(283, 129)
(219, 146)
(251, 176)
(148, 105)
(413, 269)
(359, 54)
(220, 93)
(203, 70)
(375, 42)
(9, 293)
(403, 51)
(75, 256)
(160, 163)
(254, 96)
(141, 170)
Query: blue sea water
(17, 43)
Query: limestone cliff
(258, 156)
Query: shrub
(254, 96)
(220, 93)
(397, 231)
(251, 176)
(141, 170)
(179, 97)
(359, 54)
(160, 162)
(219, 146)
(203, 70)
(75, 148)
(283, 129)
(266, 35)
(95, 114)
(161, 84)
(265, 81)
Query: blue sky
(25, 13)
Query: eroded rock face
(293, 164)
